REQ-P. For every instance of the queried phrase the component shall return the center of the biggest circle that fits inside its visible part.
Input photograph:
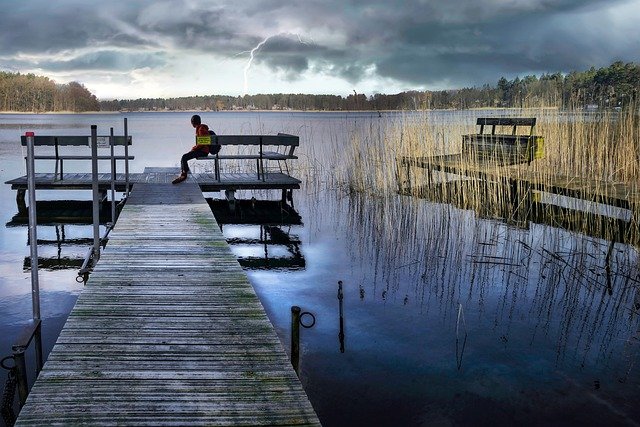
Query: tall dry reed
(595, 156)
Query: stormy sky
(152, 48)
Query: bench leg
(22, 205)
(287, 196)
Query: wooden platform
(206, 181)
(168, 331)
(619, 195)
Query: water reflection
(261, 233)
(538, 280)
(341, 311)
(525, 206)
(64, 232)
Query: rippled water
(448, 318)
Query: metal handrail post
(96, 191)
(33, 239)
(113, 180)
(126, 156)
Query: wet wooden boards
(168, 331)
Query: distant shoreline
(275, 111)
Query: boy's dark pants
(188, 156)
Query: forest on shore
(609, 87)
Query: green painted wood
(168, 331)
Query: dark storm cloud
(105, 61)
(417, 42)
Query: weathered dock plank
(206, 181)
(168, 331)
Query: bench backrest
(505, 149)
(512, 122)
(59, 141)
(279, 139)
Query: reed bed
(599, 154)
(427, 244)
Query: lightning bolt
(253, 51)
(248, 65)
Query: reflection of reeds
(576, 288)
(553, 279)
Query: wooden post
(295, 337)
(340, 308)
(21, 374)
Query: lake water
(448, 318)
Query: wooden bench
(503, 148)
(77, 141)
(283, 144)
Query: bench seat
(267, 155)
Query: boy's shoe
(179, 179)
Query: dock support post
(31, 332)
(341, 311)
(231, 199)
(21, 375)
(113, 180)
(295, 337)
(96, 191)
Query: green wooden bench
(78, 141)
(503, 148)
(282, 147)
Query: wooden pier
(618, 195)
(168, 330)
(228, 182)
(206, 181)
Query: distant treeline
(609, 87)
(31, 93)
(614, 86)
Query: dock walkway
(168, 331)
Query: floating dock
(168, 330)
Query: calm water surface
(448, 318)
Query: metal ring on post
(4, 366)
(313, 320)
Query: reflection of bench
(78, 141)
(503, 148)
(283, 144)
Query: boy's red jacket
(201, 130)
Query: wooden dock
(206, 181)
(619, 195)
(168, 330)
